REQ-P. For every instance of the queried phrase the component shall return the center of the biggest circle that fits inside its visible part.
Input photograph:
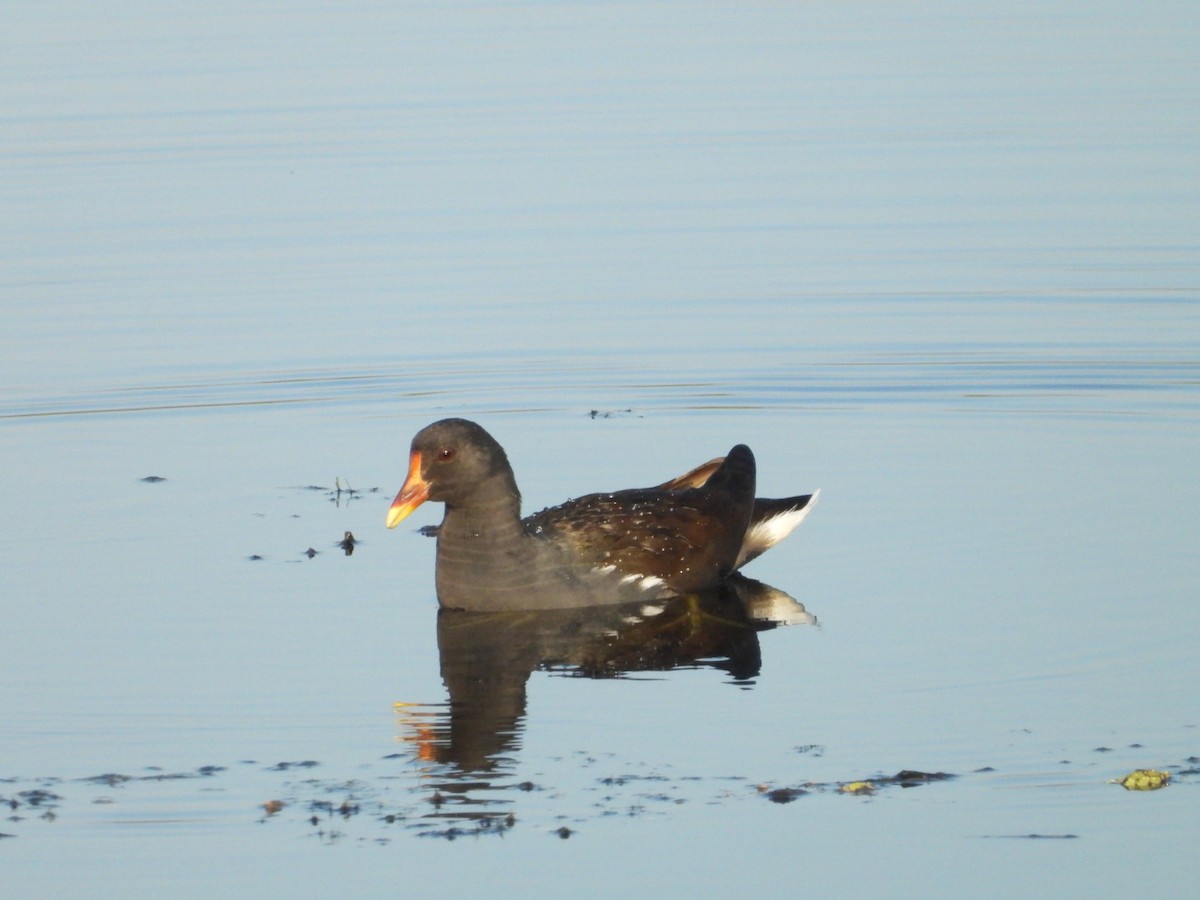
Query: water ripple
(987, 381)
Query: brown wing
(688, 538)
(646, 533)
(695, 478)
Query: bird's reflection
(468, 746)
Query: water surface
(939, 262)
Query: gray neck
(482, 547)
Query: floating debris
(785, 795)
(345, 809)
(340, 493)
(905, 778)
(271, 807)
(857, 787)
(1144, 780)
(153, 479)
(608, 413)
(39, 797)
(909, 778)
(108, 779)
(284, 766)
(1034, 836)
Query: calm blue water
(940, 262)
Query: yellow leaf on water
(1145, 780)
(857, 787)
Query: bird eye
(445, 454)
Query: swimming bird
(685, 535)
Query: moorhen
(683, 536)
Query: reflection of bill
(416, 725)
